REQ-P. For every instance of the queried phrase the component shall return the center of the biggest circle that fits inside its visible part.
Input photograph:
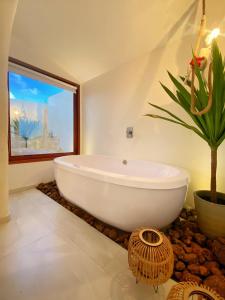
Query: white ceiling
(82, 39)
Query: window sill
(37, 158)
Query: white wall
(30, 174)
(120, 98)
(7, 13)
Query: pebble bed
(197, 258)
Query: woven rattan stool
(184, 290)
(150, 256)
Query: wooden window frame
(76, 120)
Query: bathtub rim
(160, 183)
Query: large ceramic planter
(211, 216)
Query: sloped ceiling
(82, 39)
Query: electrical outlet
(130, 132)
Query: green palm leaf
(176, 122)
(210, 126)
(167, 111)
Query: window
(44, 114)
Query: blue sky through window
(25, 88)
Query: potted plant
(210, 205)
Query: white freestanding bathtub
(125, 194)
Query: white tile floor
(47, 253)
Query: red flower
(197, 60)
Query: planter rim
(208, 192)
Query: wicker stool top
(185, 290)
(151, 237)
